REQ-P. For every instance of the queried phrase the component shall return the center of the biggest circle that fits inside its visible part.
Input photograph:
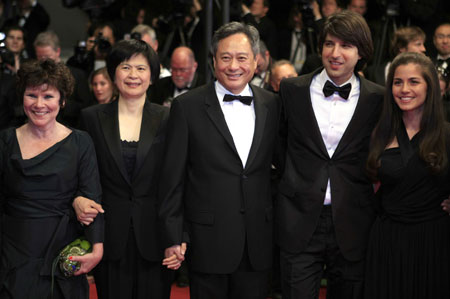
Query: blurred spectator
(405, 39)
(47, 46)
(256, 15)
(104, 40)
(280, 69)
(103, 88)
(98, 44)
(263, 61)
(441, 40)
(148, 35)
(292, 44)
(408, 39)
(184, 77)
(358, 6)
(15, 44)
(32, 17)
(327, 8)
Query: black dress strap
(406, 148)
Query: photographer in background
(90, 55)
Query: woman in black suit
(128, 135)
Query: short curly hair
(35, 73)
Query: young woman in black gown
(46, 170)
(409, 250)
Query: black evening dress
(409, 248)
(37, 215)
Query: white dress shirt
(333, 114)
(240, 119)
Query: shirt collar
(323, 77)
(439, 56)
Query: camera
(103, 45)
(181, 8)
(391, 8)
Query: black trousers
(132, 277)
(244, 283)
(301, 273)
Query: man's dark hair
(17, 28)
(351, 28)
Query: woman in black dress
(129, 140)
(409, 249)
(46, 170)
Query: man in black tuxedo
(184, 77)
(215, 183)
(441, 40)
(324, 210)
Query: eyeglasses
(442, 36)
(180, 70)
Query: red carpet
(179, 293)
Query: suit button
(242, 211)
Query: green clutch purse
(78, 247)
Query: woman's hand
(89, 260)
(86, 209)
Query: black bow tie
(343, 91)
(181, 89)
(244, 100)
(440, 62)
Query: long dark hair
(432, 145)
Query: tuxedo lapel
(216, 115)
(149, 127)
(307, 115)
(364, 107)
(260, 114)
(109, 120)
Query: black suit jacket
(164, 88)
(204, 185)
(308, 166)
(128, 201)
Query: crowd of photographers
(288, 29)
